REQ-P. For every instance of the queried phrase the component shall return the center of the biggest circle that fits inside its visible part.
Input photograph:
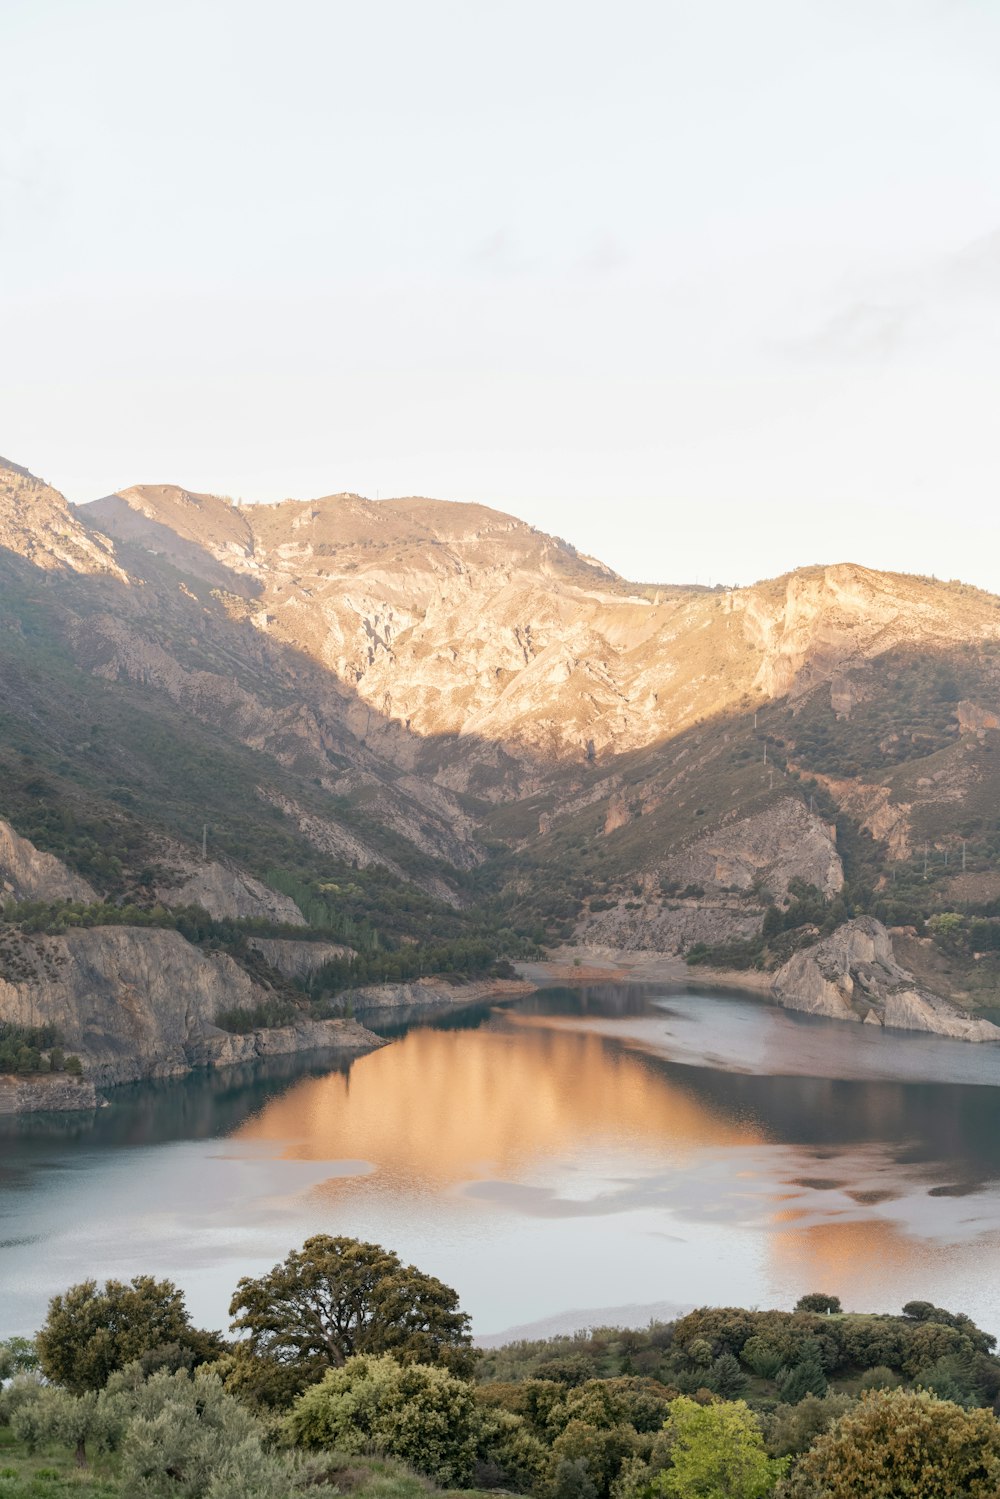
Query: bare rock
(55, 1092)
(853, 975)
(297, 960)
(230, 893)
(28, 874)
(783, 842)
(671, 927)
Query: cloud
(928, 302)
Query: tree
(17, 1356)
(806, 1377)
(418, 1413)
(899, 1442)
(718, 1453)
(818, 1301)
(726, 1377)
(50, 1414)
(336, 1298)
(90, 1333)
(793, 1428)
(186, 1437)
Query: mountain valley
(430, 742)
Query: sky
(709, 288)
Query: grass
(53, 1474)
(49, 1474)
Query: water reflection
(441, 1106)
(551, 1155)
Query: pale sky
(709, 287)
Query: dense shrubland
(351, 1371)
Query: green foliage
(416, 1412)
(338, 1297)
(793, 1428)
(805, 1377)
(895, 1442)
(186, 1437)
(27, 1049)
(91, 1332)
(17, 1356)
(717, 1452)
(818, 1301)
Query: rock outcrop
(52, 1093)
(853, 975)
(668, 926)
(296, 960)
(782, 842)
(229, 893)
(28, 874)
(138, 1003)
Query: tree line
(341, 1352)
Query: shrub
(895, 1442)
(416, 1412)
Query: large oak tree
(335, 1298)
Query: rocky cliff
(853, 975)
(135, 1003)
(28, 874)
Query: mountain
(439, 736)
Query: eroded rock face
(28, 874)
(229, 893)
(853, 975)
(54, 1093)
(670, 927)
(297, 959)
(132, 1003)
(784, 842)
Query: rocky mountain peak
(38, 524)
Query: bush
(895, 1442)
(416, 1412)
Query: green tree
(818, 1301)
(17, 1356)
(50, 1414)
(718, 1453)
(897, 1442)
(806, 1377)
(337, 1297)
(793, 1428)
(91, 1332)
(416, 1412)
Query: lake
(611, 1153)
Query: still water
(601, 1154)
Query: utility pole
(765, 751)
(204, 841)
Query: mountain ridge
(421, 719)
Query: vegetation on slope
(355, 1374)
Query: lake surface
(601, 1154)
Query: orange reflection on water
(870, 1261)
(443, 1107)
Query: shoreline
(33, 1093)
(601, 965)
(22, 1094)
